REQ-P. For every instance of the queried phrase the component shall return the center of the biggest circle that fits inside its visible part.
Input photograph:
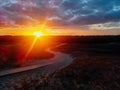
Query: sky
(67, 17)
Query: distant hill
(62, 39)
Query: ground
(96, 66)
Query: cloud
(61, 12)
(92, 11)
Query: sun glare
(38, 34)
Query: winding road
(60, 60)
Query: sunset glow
(59, 17)
(30, 49)
(38, 34)
(59, 44)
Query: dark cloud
(92, 11)
(60, 12)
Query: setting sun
(38, 34)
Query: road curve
(60, 59)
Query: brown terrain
(96, 66)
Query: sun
(38, 34)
